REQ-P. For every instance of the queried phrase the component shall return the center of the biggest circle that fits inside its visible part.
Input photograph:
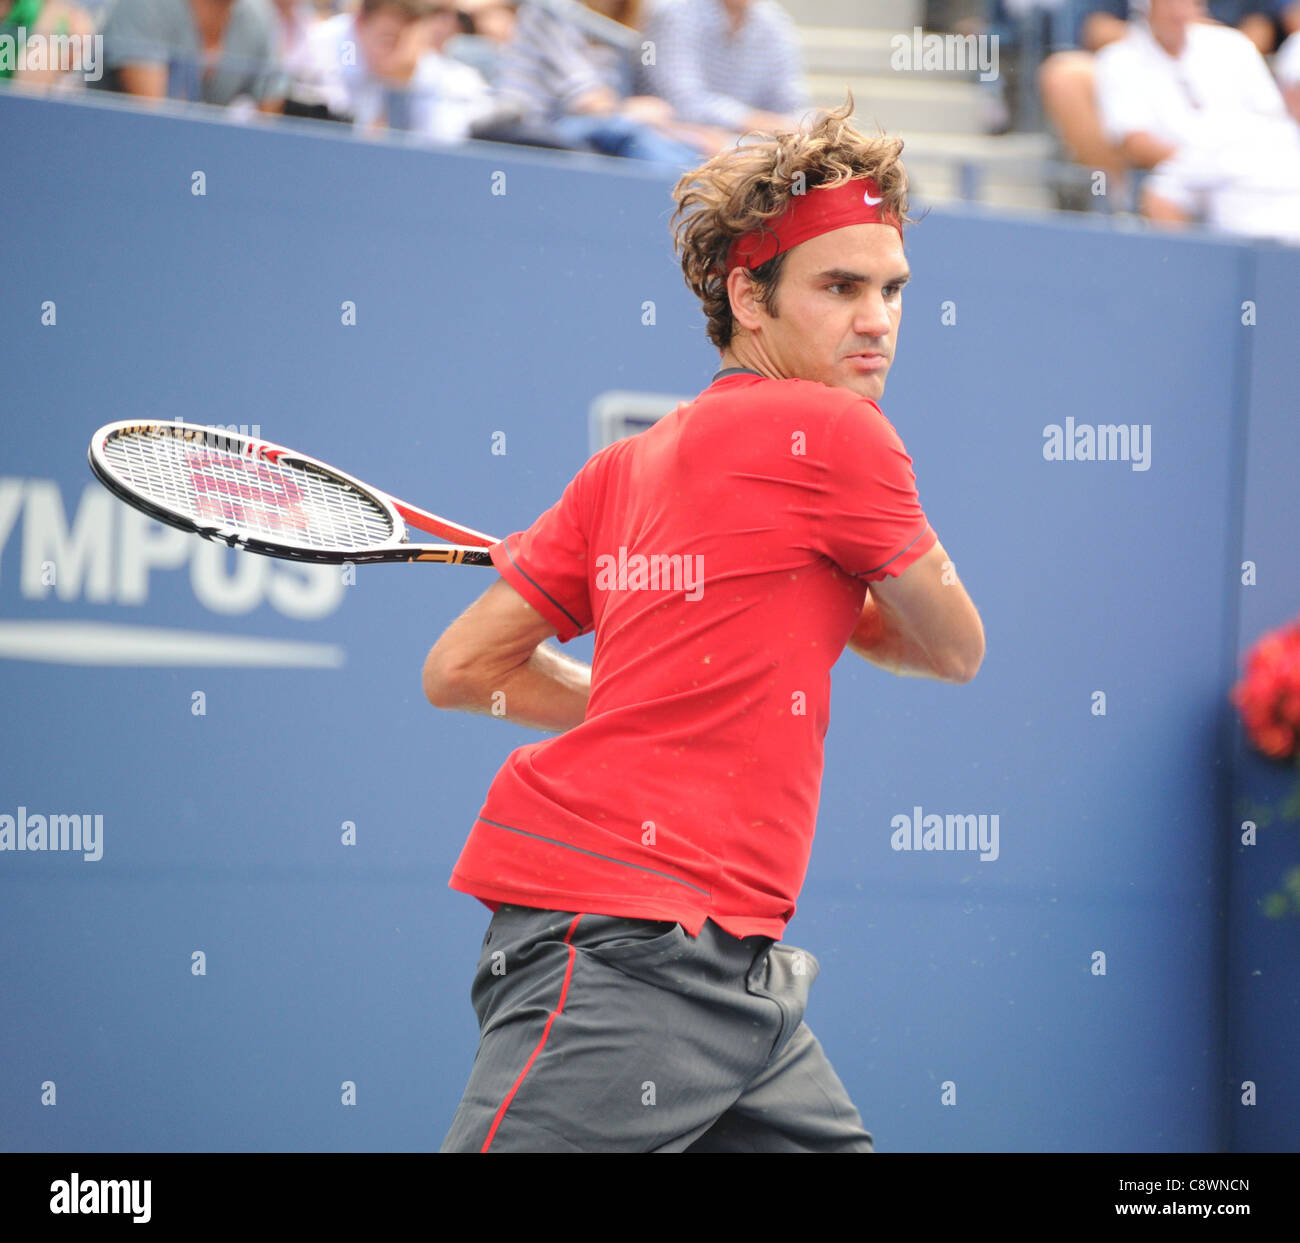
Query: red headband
(810, 215)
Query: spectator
(49, 18)
(1067, 79)
(1286, 68)
(209, 51)
(379, 69)
(553, 74)
(486, 27)
(1067, 83)
(1264, 22)
(731, 65)
(1194, 103)
(444, 22)
(293, 20)
(491, 19)
(1103, 22)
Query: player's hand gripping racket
(267, 499)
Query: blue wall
(480, 313)
(1264, 955)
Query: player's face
(839, 301)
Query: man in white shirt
(380, 68)
(1195, 103)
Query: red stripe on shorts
(541, 1044)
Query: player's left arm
(493, 660)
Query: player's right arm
(917, 620)
(921, 623)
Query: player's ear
(746, 309)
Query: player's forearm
(548, 691)
(877, 639)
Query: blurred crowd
(671, 81)
(1196, 106)
(1178, 95)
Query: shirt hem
(691, 918)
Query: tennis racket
(267, 499)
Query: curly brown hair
(738, 190)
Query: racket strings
(214, 485)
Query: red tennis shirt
(721, 557)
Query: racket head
(248, 493)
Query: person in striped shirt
(569, 70)
(730, 65)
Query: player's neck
(738, 356)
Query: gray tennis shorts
(605, 1034)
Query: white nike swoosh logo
(870, 202)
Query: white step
(1010, 168)
(888, 14)
(901, 105)
(838, 50)
(939, 185)
(987, 149)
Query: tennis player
(633, 993)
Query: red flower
(1268, 695)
